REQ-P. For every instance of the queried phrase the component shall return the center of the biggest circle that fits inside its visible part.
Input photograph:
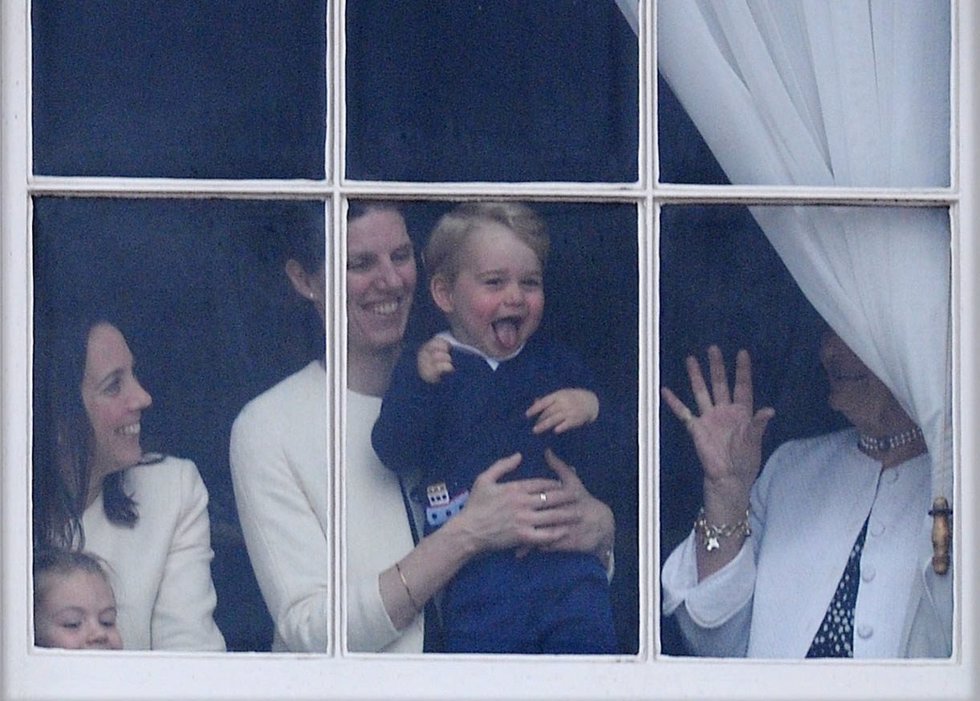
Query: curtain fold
(851, 93)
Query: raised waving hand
(727, 433)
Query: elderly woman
(145, 515)
(279, 465)
(819, 556)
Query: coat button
(865, 631)
(867, 573)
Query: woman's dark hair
(358, 208)
(62, 436)
(299, 227)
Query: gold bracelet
(401, 575)
(711, 533)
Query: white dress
(279, 469)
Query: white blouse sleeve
(182, 616)
(714, 614)
(286, 543)
(378, 535)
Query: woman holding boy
(279, 465)
(487, 388)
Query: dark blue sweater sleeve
(406, 425)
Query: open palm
(727, 432)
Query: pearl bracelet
(710, 533)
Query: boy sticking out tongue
(485, 390)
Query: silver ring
(544, 498)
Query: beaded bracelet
(711, 533)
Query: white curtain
(838, 93)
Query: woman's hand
(590, 523)
(727, 434)
(549, 514)
(501, 515)
(498, 516)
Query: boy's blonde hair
(443, 252)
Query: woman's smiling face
(114, 401)
(381, 278)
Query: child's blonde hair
(53, 562)
(444, 250)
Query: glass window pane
(198, 289)
(591, 310)
(485, 91)
(723, 283)
(841, 94)
(179, 89)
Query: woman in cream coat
(279, 466)
(828, 552)
(94, 488)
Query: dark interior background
(441, 91)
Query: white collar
(494, 363)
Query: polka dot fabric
(835, 637)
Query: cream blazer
(160, 569)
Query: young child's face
(78, 612)
(497, 300)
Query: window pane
(591, 309)
(478, 91)
(199, 291)
(179, 89)
(818, 94)
(722, 283)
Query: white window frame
(48, 674)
